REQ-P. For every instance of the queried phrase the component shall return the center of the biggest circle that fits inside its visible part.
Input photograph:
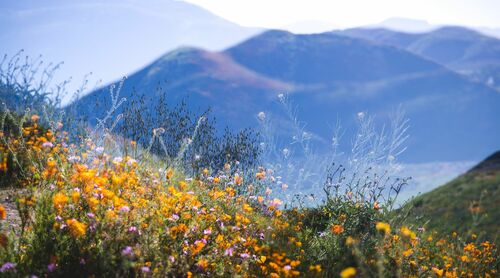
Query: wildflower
(207, 232)
(337, 229)
(350, 241)
(47, 145)
(348, 272)
(437, 271)
(59, 200)
(77, 229)
(35, 118)
(384, 227)
(8, 266)
(316, 268)
(275, 202)
(145, 269)
(263, 259)
(124, 209)
(51, 267)
(169, 174)
(3, 213)
(127, 252)
(408, 233)
(229, 251)
(244, 255)
(408, 253)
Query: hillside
(469, 201)
(463, 50)
(328, 77)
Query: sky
(350, 13)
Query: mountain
(463, 50)
(328, 76)
(110, 38)
(404, 25)
(469, 201)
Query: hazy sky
(349, 13)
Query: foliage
(89, 212)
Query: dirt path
(7, 199)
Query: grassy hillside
(468, 203)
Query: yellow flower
(408, 253)
(384, 227)
(77, 229)
(350, 241)
(3, 213)
(75, 196)
(169, 173)
(263, 259)
(337, 229)
(408, 233)
(316, 268)
(348, 272)
(59, 200)
(437, 271)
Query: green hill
(469, 203)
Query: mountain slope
(110, 38)
(328, 77)
(463, 50)
(455, 205)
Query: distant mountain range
(465, 51)
(110, 38)
(470, 201)
(332, 75)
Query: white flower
(99, 150)
(361, 115)
(261, 116)
(286, 152)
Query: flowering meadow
(86, 210)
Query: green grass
(469, 203)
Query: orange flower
(3, 213)
(337, 229)
(348, 272)
(77, 229)
(59, 200)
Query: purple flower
(8, 267)
(287, 267)
(207, 232)
(128, 252)
(229, 251)
(90, 215)
(47, 145)
(132, 230)
(244, 255)
(125, 209)
(51, 267)
(145, 269)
